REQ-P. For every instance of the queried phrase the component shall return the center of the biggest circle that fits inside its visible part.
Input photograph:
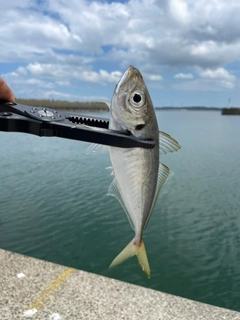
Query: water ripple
(53, 205)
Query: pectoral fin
(95, 149)
(167, 143)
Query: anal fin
(113, 191)
(164, 173)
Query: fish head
(131, 106)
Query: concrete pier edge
(35, 289)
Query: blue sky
(187, 51)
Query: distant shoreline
(193, 108)
(102, 106)
(60, 104)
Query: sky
(187, 51)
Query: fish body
(138, 174)
(135, 169)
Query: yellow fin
(133, 249)
(143, 259)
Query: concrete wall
(35, 289)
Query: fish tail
(134, 249)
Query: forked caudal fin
(134, 249)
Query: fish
(138, 172)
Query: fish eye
(137, 99)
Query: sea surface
(53, 206)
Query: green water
(53, 206)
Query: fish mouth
(125, 77)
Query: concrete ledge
(31, 288)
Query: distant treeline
(60, 104)
(195, 108)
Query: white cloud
(39, 83)
(153, 77)
(56, 95)
(52, 94)
(210, 80)
(41, 89)
(219, 73)
(63, 83)
(49, 76)
(56, 42)
(21, 71)
(67, 71)
(179, 11)
(206, 85)
(100, 77)
(19, 79)
(174, 32)
(183, 76)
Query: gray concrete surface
(36, 289)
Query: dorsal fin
(107, 103)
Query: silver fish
(138, 174)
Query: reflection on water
(53, 205)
